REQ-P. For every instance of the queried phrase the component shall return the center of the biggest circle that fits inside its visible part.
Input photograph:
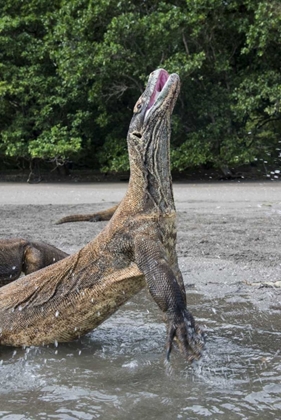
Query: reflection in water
(118, 371)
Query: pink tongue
(162, 79)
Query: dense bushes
(71, 71)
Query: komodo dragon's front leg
(169, 296)
(19, 255)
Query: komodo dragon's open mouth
(162, 90)
(160, 83)
(160, 95)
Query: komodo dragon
(21, 255)
(73, 296)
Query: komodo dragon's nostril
(137, 134)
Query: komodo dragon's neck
(150, 185)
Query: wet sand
(229, 253)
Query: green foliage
(72, 70)
(113, 156)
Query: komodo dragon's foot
(189, 337)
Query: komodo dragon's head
(159, 98)
(149, 136)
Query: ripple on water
(118, 371)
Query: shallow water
(119, 372)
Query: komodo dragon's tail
(93, 217)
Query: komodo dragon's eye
(138, 107)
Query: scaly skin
(137, 247)
(20, 255)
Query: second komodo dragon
(136, 248)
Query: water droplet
(131, 365)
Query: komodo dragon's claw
(189, 337)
